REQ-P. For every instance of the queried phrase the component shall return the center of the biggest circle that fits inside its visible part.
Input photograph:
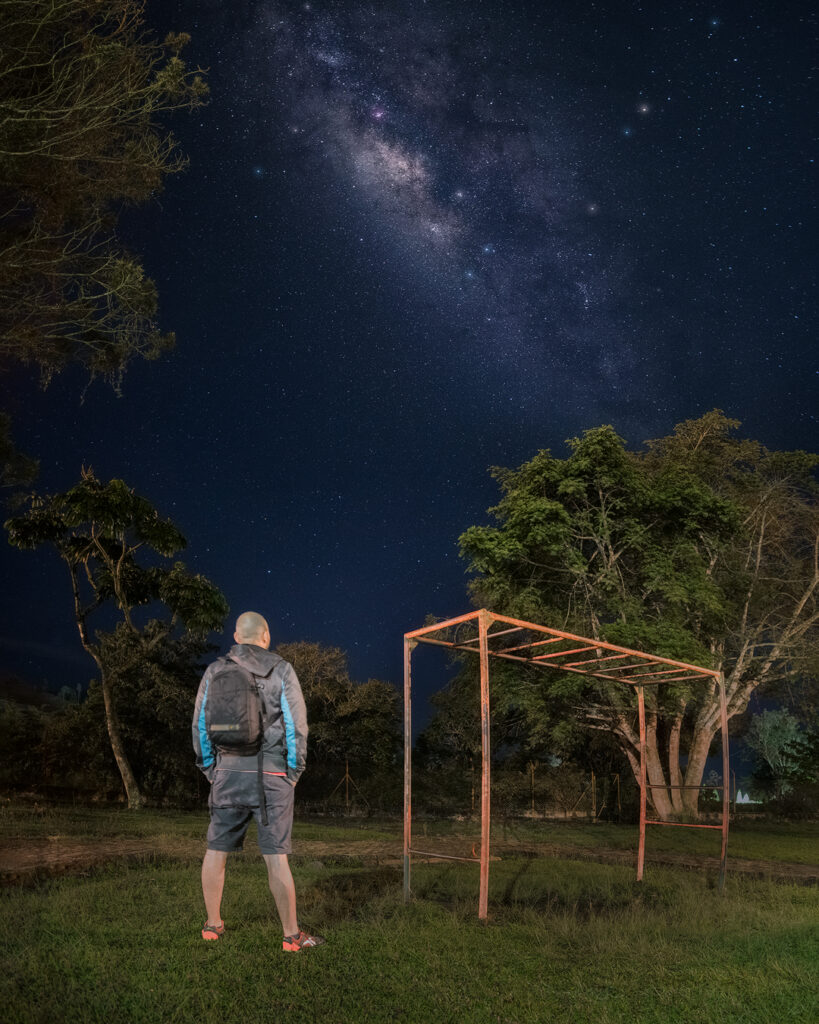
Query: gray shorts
(234, 800)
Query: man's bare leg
(213, 882)
(283, 889)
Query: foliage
(82, 88)
(21, 727)
(101, 531)
(773, 736)
(703, 548)
(351, 724)
(786, 772)
(15, 467)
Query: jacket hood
(257, 660)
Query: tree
(15, 467)
(703, 548)
(774, 736)
(82, 87)
(98, 530)
(355, 723)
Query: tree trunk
(697, 756)
(675, 777)
(655, 776)
(668, 801)
(135, 798)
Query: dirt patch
(29, 860)
(26, 861)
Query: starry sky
(417, 239)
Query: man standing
(235, 794)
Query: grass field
(566, 941)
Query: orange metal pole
(641, 849)
(443, 625)
(483, 904)
(408, 645)
(726, 795)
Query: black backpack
(235, 716)
(234, 712)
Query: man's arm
(203, 748)
(294, 714)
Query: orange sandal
(212, 932)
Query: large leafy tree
(703, 547)
(775, 737)
(82, 90)
(351, 723)
(118, 552)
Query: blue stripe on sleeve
(208, 757)
(289, 731)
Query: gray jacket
(285, 735)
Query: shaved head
(252, 628)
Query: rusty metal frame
(641, 669)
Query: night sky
(419, 239)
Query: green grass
(19, 820)
(566, 942)
(791, 843)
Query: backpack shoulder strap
(256, 680)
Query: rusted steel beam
(560, 654)
(445, 856)
(687, 673)
(726, 810)
(628, 668)
(641, 847)
(596, 661)
(408, 645)
(490, 636)
(667, 785)
(680, 824)
(435, 626)
(483, 903)
(459, 646)
(532, 643)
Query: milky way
(460, 163)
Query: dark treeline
(59, 748)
